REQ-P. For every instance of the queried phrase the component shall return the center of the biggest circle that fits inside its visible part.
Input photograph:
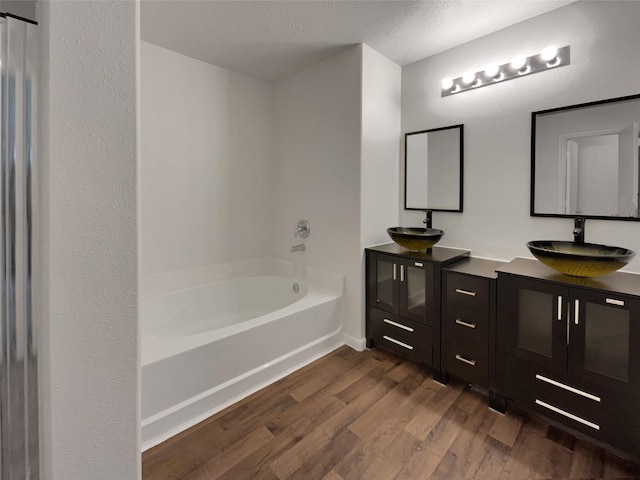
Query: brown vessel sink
(415, 239)
(580, 259)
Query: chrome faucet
(578, 229)
(297, 248)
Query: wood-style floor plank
(373, 416)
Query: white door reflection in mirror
(599, 170)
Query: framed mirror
(433, 169)
(585, 162)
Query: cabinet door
(383, 286)
(602, 349)
(416, 289)
(534, 318)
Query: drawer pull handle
(418, 264)
(465, 324)
(555, 383)
(399, 325)
(568, 415)
(466, 292)
(613, 301)
(398, 342)
(464, 360)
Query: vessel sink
(415, 239)
(580, 259)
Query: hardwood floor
(371, 415)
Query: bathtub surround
(194, 363)
(206, 162)
(497, 120)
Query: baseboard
(358, 344)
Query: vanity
(569, 349)
(403, 291)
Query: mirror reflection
(433, 169)
(585, 160)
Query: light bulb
(549, 53)
(518, 62)
(447, 83)
(468, 78)
(492, 70)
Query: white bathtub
(208, 345)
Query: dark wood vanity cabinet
(469, 320)
(569, 349)
(403, 301)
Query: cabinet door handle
(595, 426)
(576, 311)
(399, 325)
(613, 301)
(465, 360)
(398, 342)
(466, 292)
(394, 271)
(465, 324)
(559, 307)
(402, 273)
(418, 264)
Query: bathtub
(208, 342)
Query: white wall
(497, 119)
(317, 171)
(379, 169)
(89, 367)
(206, 162)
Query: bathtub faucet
(297, 248)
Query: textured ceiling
(271, 40)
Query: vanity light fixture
(519, 66)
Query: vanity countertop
(621, 282)
(444, 255)
(478, 267)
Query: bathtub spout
(297, 248)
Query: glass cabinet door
(536, 321)
(601, 336)
(386, 270)
(415, 292)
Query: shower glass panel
(19, 456)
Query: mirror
(433, 169)
(584, 160)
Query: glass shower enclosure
(19, 439)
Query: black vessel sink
(580, 259)
(415, 239)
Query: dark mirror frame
(461, 183)
(534, 116)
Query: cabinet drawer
(597, 424)
(467, 291)
(579, 397)
(400, 328)
(468, 359)
(467, 322)
(405, 337)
